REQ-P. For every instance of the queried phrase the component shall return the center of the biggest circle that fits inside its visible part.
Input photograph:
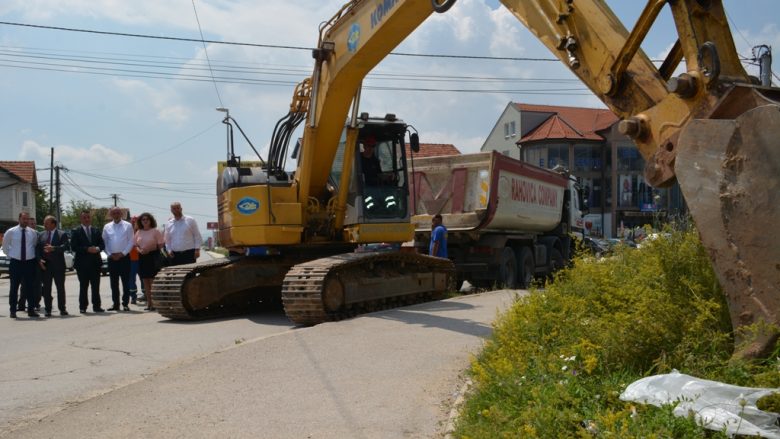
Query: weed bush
(559, 358)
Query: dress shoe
(134, 301)
(48, 314)
(125, 307)
(99, 310)
(63, 313)
(83, 311)
(13, 315)
(33, 314)
(113, 308)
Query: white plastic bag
(717, 406)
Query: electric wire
(270, 46)
(140, 182)
(206, 53)
(10, 51)
(151, 156)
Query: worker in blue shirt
(438, 246)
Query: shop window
(629, 159)
(587, 158)
(558, 155)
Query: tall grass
(559, 358)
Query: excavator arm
(711, 128)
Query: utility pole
(115, 197)
(58, 210)
(51, 183)
(763, 55)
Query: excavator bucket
(729, 172)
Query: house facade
(607, 164)
(18, 183)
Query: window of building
(506, 153)
(593, 190)
(506, 130)
(512, 128)
(557, 155)
(635, 192)
(587, 158)
(533, 155)
(629, 159)
(24, 199)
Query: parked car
(5, 262)
(614, 242)
(598, 247)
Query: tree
(71, 217)
(42, 206)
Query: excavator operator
(369, 162)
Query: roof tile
(568, 122)
(436, 149)
(23, 170)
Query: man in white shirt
(19, 245)
(118, 238)
(182, 237)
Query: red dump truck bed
(486, 192)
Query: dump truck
(507, 221)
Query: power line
(206, 52)
(246, 81)
(140, 183)
(143, 159)
(268, 46)
(298, 72)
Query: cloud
(96, 155)
(163, 99)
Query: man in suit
(86, 241)
(51, 258)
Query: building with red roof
(587, 143)
(18, 183)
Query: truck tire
(556, 260)
(526, 267)
(508, 269)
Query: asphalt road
(135, 374)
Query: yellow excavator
(310, 236)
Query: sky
(135, 117)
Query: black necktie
(24, 244)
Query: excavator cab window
(383, 178)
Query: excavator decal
(354, 37)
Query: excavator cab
(378, 188)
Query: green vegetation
(559, 359)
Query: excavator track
(169, 293)
(341, 286)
